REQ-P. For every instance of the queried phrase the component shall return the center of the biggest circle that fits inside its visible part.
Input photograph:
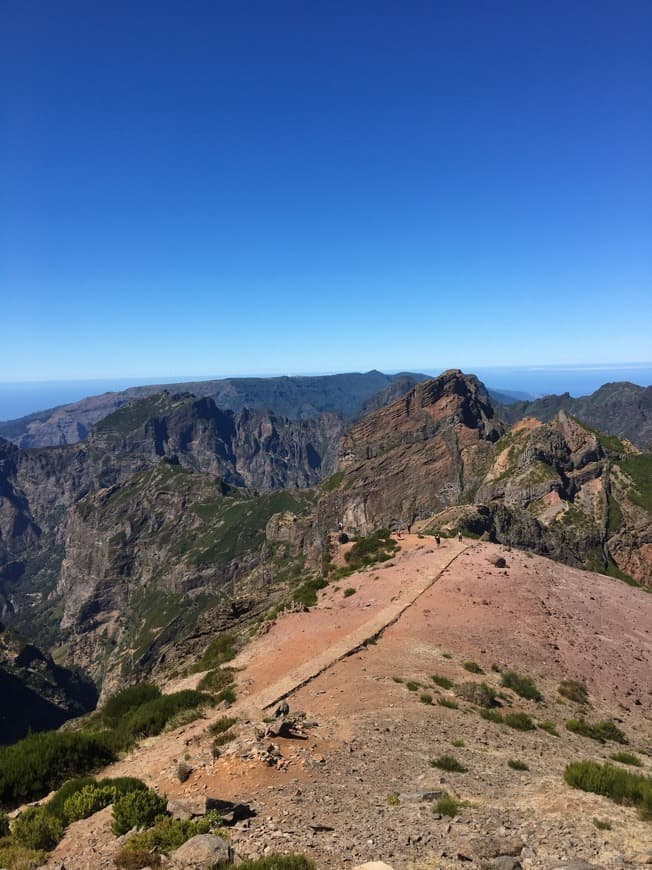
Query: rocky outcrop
(620, 409)
(428, 450)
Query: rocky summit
(428, 615)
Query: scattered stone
(373, 865)
(497, 561)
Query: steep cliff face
(38, 487)
(144, 559)
(426, 451)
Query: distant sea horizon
(20, 398)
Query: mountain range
(175, 518)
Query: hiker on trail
(459, 535)
(438, 539)
(409, 528)
(340, 526)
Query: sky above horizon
(295, 187)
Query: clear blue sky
(223, 188)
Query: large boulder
(203, 852)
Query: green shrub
(602, 824)
(122, 702)
(457, 743)
(425, 698)
(619, 785)
(517, 765)
(523, 686)
(227, 695)
(216, 680)
(17, 857)
(378, 547)
(627, 758)
(600, 731)
(221, 725)
(449, 703)
(444, 682)
(393, 799)
(135, 859)
(520, 721)
(138, 809)
(88, 801)
(448, 762)
(548, 726)
(278, 862)
(473, 668)
(446, 806)
(492, 715)
(477, 693)
(167, 834)
(4, 825)
(56, 803)
(398, 679)
(574, 691)
(446, 655)
(219, 651)
(412, 686)
(122, 785)
(151, 718)
(41, 762)
(37, 829)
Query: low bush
(167, 834)
(183, 771)
(412, 686)
(378, 547)
(348, 592)
(492, 715)
(548, 726)
(574, 691)
(221, 725)
(219, 651)
(37, 829)
(138, 809)
(227, 695)
(87, 801)
(425, 698)
(523, 686)
(398, 679)
(477, 693)
(457, 743)
(600, 731)
(520, 721)
(473, 668)
(4, 825)
(122, 702)
(41, 762)
(619, 785)
(151, 718)
(448, 762)
(19, 857)
(216, 680)
(602, 824)
(517, 765)
(56, 803)
(136, 859)
(278, 862)
(449, 703)
(446, 806)
(627, 758)
(444, 682)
